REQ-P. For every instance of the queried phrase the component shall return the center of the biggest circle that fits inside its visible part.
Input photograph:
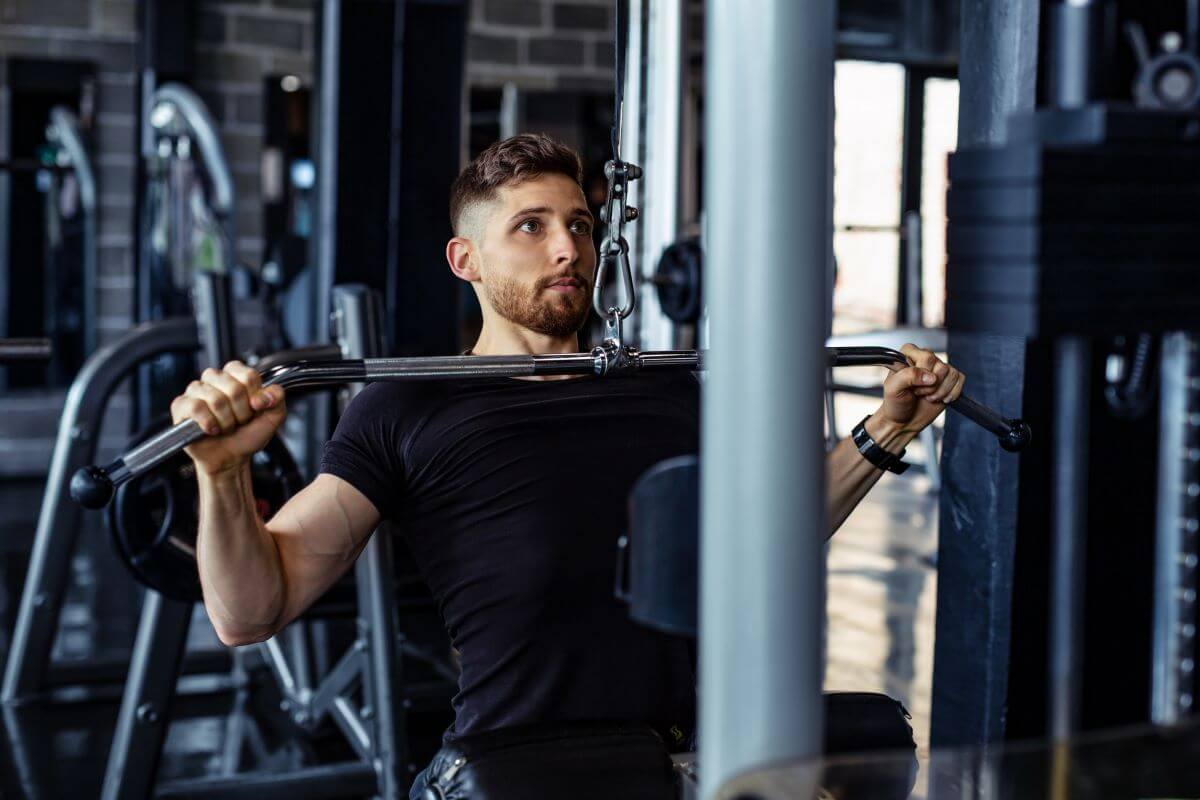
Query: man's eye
(529, 226)
(581, 227)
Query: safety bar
(93, 486)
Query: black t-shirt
(512, 494)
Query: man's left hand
(913, 396)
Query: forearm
(240, 569)
(849, 476)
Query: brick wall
(103, 32)
(541, 44)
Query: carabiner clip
(615, 252)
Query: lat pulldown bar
(93, 486)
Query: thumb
(273, 415)
(910, 378)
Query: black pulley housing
(152, 519)
(678, 279)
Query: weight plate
(678, 279)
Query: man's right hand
(236, 412)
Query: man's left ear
(459, 254)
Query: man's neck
(505, 340)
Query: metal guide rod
(93, 486)
(1069, 531)
(1177, 529)
(663, 94)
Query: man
(511, 493)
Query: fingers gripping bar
(1013, 434)
(93, 486)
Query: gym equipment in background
(71, 247)
(28, 671)
(14, 350)
(69, 197)
(186, 228)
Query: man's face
(537, 260)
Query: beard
(554, 315)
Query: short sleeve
(366, 450)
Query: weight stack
(1083, 222)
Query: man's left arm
(913, 397)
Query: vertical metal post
(1078, 63)
(633, 136)
(763, 510)
(1078, 52)
(146, 704)
(1069, 546)
(978, 516)
(214, 317)
(360, 331)
(908, 307)
(162, 630)
(317, 408)
(327, 173)
(912, 310)
(5, 202)
(1177, 528)
(663, 96)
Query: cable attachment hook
(614, 249)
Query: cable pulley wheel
(152, 519)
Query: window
(940, 139)
(876, 134)
(868, 149)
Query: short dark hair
(510, 161)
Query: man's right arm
(258, 576)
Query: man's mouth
(566, 285)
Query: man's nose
(565, 247)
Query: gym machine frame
(1049, 238)
(26, 670)
(375, 731)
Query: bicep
(319, 533)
